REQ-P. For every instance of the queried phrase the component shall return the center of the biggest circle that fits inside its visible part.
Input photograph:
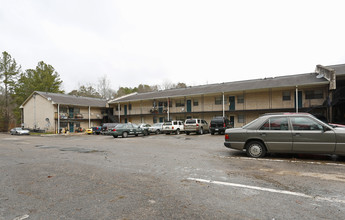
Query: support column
(58, 116)
(223, 106)
(89, 116)
(296, 99)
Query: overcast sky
(191, 41)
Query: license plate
(217, 129)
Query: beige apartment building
(321, 93)
(53, 112)
(241, 101)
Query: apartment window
(314, 94)
(130, 107)
(195, 102)
(180, 103)
(63, 109)
(77, 110)
(154, 120)
(218, 100)
(286, 96)
(240, 119)
(240, 99)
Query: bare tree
(104, 88)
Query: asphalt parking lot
(162, 177)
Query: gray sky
(191, 41)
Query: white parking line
(269, 190)
(287, 160)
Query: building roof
(63, 99)
(339, 69)
(272, 82)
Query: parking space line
(287, 160)
(318, 198)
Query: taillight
(227, 137)
(114, 129)
(197, 125)
(224, 125)
(172, 127)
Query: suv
(170, 127)
(219, 125)
(196, 125)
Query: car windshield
(19, 129)
(168, 123)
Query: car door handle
(263, 134)
(297, 134)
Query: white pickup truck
(173, 127)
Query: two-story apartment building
(55, 112)
(241, 101)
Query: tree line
(16, 85)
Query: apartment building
(53, 112)
(321, 93)
(241, 101)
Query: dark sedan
(124, 130)
(286, 133)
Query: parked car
(19, 131)
(124, 130)
(89, 131)
(145, 127)
(156, 128)
(286, 133)
(199, 126)
(173, 127)
(97, 130)
(219, 125)
(107, 127)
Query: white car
(19, 131)
(173, 127)
(156, 128)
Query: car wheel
(187, 133)
(124, 134)
(158, 131)
(115, 136)
(256, 149)
(201, 131)
(212, 133)
(178, 131)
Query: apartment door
(189, 105)
(231, 103)
(71, 127)
(71, 113)
(232, 121)
(160, 107)
(125, 109)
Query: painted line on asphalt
(318, 198)
(291, 161)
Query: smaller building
(55, 112)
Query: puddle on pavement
(73, 149)
(79, 150)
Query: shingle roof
(59, 98)
(339, 69)
(273, 82)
